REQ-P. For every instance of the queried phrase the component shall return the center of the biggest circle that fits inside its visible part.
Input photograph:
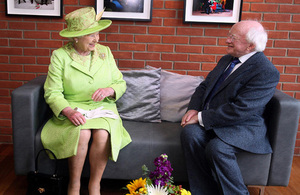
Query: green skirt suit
(71, 81)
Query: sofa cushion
(141, 101)
(175, 93)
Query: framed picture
(213, 11)
(137, 10)
(51, 8)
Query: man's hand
(191, 117)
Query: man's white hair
(258, 36)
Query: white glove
(97, 113)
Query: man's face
(237, 44)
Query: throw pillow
(175, 94)
(141, 101)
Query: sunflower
(136, 186)
(185, 192)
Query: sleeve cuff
(200, 119)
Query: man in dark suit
(224, 116)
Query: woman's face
(86, 43)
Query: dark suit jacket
(235, 111)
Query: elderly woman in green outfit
(81, 88)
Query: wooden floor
(11, 184)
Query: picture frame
(135, 10)
(50, 8)
(212, 11)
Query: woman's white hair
(258, 36)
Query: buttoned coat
(235, 112)
(70, 83)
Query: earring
(76, 41)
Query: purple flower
(162, 174)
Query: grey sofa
(149, 140)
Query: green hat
(84, 21)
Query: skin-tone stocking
(76, 163)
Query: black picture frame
(49, 8)
(138, 10)
(212, 11)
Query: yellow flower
(136, 186)
(185, 192)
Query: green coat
(70, 83)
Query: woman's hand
(102, 93)
(74, 116)
(191, 117)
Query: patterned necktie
(222, 78)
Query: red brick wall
(26, 44)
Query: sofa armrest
(29, 112)
(282, 120)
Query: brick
(175, 39)
(22, 25)
(122, 55)
(174, 57)
(174, 22)
(259, 7)
(278, 34)
(3, 59)
(279, 1)
(188, 49)
(289, 9)
(251, 16)
(11, 51)
(3, 107)
(22, 60)
(158, 4)
(161, 30)
(36, 34)
(277, 17)
(6, 131)
(287, 44)
(10, 84)
(5, 100)
(216, 32)
(186, 66)
(190, 31)
(36, 52)
(285, 61)
(288, 26)
(5, 138)
(295, 35)
(3, 42)
(50, 26)
(119, 38)
(10, 34)
(174, 5)
(43, 60)
(5, 115)
(203, 41)
(201, 58)
(160, 48)
(21, 43)
(11, 68)
(165, 13)
(294, 52)
(146, 56)
(296, 18)
(3, 24)
(148, 38)
(49, 44)
(275, 52)
(208, 66)
(36, 68)
(133, 29)
(198, 73)
(131, 64)
(4, 76)
(214, 50)
(288, 78)
(292, 70)
(132, 47)
(291, 86)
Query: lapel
(239, 71)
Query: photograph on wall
(213, 11)
(125, 9)
(34, 7)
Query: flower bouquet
(157, 182)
